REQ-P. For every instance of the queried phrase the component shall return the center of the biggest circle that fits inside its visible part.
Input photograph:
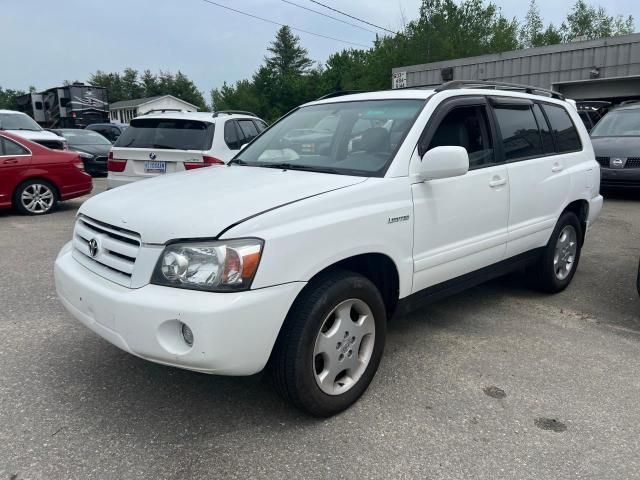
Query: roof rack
(233, 112)
(163, 110)
(592, 104)
(498, 86)
(339, 93)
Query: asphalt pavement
(499, 382)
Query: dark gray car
(616, 142)
(92, 147)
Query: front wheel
(331, 344)
(559, 261)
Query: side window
(466, 127)
(520, 134)
(248, 129)
(231, 135)
(9, 147)
(567, 138)
(545, 133)
(260, 125)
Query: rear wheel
(559, 261)
(35, 197)
(331, 344)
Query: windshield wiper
(27, 129)
(294, 166)
(237, 161)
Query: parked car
(33, 178)
(23, 125)
(296, 260)
(92, 147)
(110, 131)
(616, 142)
(159, 143)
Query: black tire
(292, 362)
(543, 274)
(51, 197)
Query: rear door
(156, 146)
(538, 182)
(14, 161)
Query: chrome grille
(115, 249)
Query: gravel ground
(497, 382)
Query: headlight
(87, 156)
(218, 266)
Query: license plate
(155, 167)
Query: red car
(34, 178)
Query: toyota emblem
(93, 247)
(152, 156)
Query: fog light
(187, 334)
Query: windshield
(350, 138)
(621, 123)
(84, 137)
(167, 133)
(18, 121)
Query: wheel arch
(379, 268)
(581, 210)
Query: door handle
(556, 168)
(11, 160)
(497, 182)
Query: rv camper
(71, 106)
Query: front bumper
(619, 178)
(234, 333)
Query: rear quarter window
(563, 129)
(167, 133)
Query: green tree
(8, 98)
(287, 56)
(588, 22)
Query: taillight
(79, 164)
(115, 165)
(207, 161)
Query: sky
(46, 42)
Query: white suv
(173, 141)
(297, 253)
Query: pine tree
(287, 56)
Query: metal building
(603, 69)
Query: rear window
(567, 138)
(167, 133)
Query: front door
(460, 223)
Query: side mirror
(444, 162)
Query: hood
(37, 135)
(616, 146)
(202, 203)
(97, 150)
